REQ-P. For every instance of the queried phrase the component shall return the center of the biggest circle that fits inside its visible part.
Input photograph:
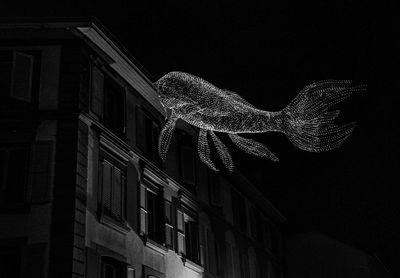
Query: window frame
(10, 102)
(156, 192)
(105, 156)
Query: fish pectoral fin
(204, 150)
(165, 136)
(252, 147)
(223, 152)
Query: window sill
(193, 266)
(156, 247)
(114, 224)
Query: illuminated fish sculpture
(306, 121)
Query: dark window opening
(14, 165)
(147, 132)
(113, 190)
(239, 211)
(192, 240)
(114, 107)
(155, 223)
(215, 190)
(187, 162)
(111, 268)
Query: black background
(267, 51)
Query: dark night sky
(267, 52)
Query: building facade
(83, 192)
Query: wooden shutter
(116, 204)
(140, 129)
(97, 91)
(143, 209)
(130, 118)
(168, 224)
(42, 164)
(181, 231)
(187, 165)
(132, 196)
(174, 207)
(36, 260)
(106, 186)
(21, 80)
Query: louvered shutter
(143, 209)
(140, 129)
(97, 91)
(180, 225)
(41, 172)
(21, 80)
(132, 196)
(174, 206)
(168, 224)
(116, 193)
(106, 186)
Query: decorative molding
(173, 185)
(111, 146)
(153, 176)
(193, 266)
(156, 247)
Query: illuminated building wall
(83, 191)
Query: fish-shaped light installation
(306, 121)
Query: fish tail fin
(308, 123)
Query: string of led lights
(306, 121)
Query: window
(14, 165)
(151, 212)
(267, 234)
(239, 211)
(16, 71)
(108, 101)
(111, 268)
(114, 106)
(256, 225)
(147, 131)
(192, 239)
(187, 163)
(113, 177)
(215, 190)
(275, 242)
